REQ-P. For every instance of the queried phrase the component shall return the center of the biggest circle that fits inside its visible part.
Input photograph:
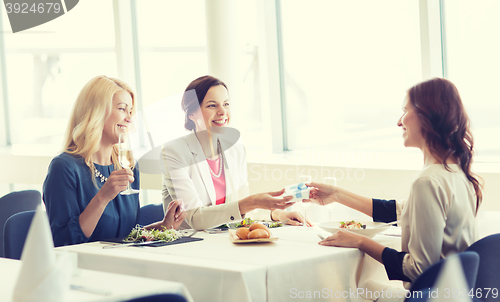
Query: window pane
(48, 65)
(171, 46)
(171, 23)
(348, 65)
(473, 62)
(43, 89)
(172, 54)
(168, 73)
(172, 39)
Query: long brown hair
(446, 126)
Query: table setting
(46, 274)
(218, 269)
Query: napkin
(451, 284)
(298, 192)
(42, 277)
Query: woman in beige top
(438, 218)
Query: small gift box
(298, 192)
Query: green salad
(247, 222)
(140, 234)
(353, 224)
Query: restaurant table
(292, 268)
(94, 285)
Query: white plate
(370, 231)
(235, 239)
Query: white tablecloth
(102, 286)
(293, 268)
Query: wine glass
(305, 179)
(126, 159)
(332, 181)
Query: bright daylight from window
(346, 68)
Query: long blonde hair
(91, 110)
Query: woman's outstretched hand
(175, 214)
(321, 194)
(271, 201)
(268, 201)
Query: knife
(131, 244)
(91, 290)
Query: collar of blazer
(203, 168)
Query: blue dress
(68, 189)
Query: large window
(472, 63)
(158, 47)
(347, 66)
(48, 65)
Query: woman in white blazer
(208, 168)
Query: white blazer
(186, 175)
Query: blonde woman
(81, 190)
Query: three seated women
(207, 170)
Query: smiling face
(214, 110)
(119, 119)
(411, 126)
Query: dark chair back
(160, 298)
(16, 202)
(488, 275)
(15, 232)
(470, 264)
(150, 213)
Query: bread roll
(258, 234)
(242, 233)
(256, 226)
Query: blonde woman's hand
(117, 182)
(321, 194)
(175, 215)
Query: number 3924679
(35, 8)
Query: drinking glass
(332, 181)
(126, 159)
(305, 179)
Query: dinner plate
(235, 239)
(372, 228)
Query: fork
(387, 223)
